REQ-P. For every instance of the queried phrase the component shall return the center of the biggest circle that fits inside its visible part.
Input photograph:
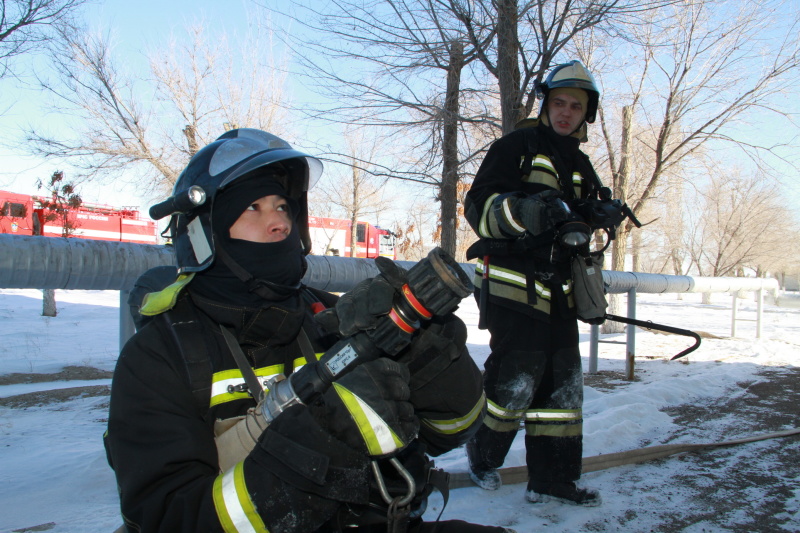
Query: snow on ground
(53, 471)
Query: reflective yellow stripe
(556, 430)
(221, 380)
(577, 184)
(503, 274)
(300, 362)
(512, 285)
(449, 427)
(503, 412)
(542, 161)
(502, 419)
(554, 422)
(377, 435)
(235, 509)
(543, 178)
(541, 290)
(155, 303)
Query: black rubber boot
(483, 476)
(566, 491)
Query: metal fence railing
(60, 263)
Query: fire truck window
(13, 210)
(361, 232)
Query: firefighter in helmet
(517, 205)
(237, 310)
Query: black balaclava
(271, 271)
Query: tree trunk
(448, 193)
(636, 251)
(621, 180)
(49, 307)
(508, 75)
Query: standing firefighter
(529, 238)
(237, 316)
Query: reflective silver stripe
(221, 380)
(544, 162)
(510, 217)
(449, 427)
(483, 226)
(503, 274)
(553, 415)
(512, 285)
(502, 412)
(541, 290)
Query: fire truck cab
(332, 236)
(21, 214)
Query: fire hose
(434, 287)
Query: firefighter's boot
(485, 477)
(566, 491)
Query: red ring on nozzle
(421, 311)
(402, 324)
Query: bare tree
(693, 76)
(27, 25)
(154, 122)
(358, 194)
(738, 224)
(414, 235)
(530, 35)
(409, 57)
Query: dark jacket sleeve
(161, 448)
(498, 175)
(165, 458)
(446, 385)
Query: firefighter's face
(565, 112)
(267, 219)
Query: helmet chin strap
(265, 289)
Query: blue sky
(135, 26)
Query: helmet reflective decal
(197, 236)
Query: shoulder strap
(531, 150)
(187, 334)
(595, 179)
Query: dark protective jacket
(299, 478)
(525, 273)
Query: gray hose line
(519, 474)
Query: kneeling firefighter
(352, 455)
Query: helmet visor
(240, 152)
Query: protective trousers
(533, 373)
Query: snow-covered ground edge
(53, 468)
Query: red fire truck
(20, 214)
(331, 236)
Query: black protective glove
(540, 212)
(368, 408)
(360, 308)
